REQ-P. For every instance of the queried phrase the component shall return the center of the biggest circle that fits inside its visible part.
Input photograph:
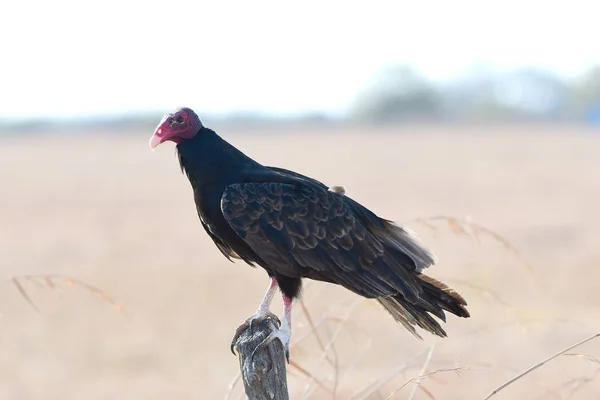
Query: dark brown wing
(301, 231)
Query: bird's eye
(179, 119)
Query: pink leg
(284, 333)
(261, 314)
(286, 324)
(265, 304)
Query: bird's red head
(176, 126)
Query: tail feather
(407, 243)
(446, 297)
(435, 298)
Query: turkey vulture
(296, 227)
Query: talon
(248, 324)
(284, 337)
(283, 330)
(275, 317)
(233, 342)
(238, 332)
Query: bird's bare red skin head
(183, 123)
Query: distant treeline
(400, 94)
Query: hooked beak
(156, 139)
(159, 133)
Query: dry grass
(545, 361)
(56, 281)
(108, 212)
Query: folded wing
(302, 231)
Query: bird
(296, 227)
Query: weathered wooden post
(263, 371)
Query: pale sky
(66, 58)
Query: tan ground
(106, 210)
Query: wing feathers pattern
(296, 229)
(302, 231)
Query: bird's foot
(259, 317)
(283, 334)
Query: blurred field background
(502, 133)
